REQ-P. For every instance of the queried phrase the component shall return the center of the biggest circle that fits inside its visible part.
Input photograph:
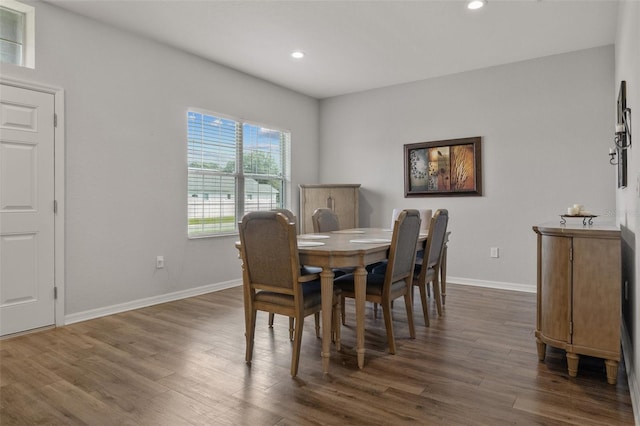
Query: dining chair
(398, 277)
(425, 217)
(380, 267)
(272, 278)
(292, 219)
(429, 271)
(325, 220)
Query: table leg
(360, 283)
(326, 280)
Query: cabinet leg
(542, 348)
(572, 363)
(612, 371)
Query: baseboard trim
(183, 294)
(627, 352)
(149, 301)
(527, 288)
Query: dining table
(348, 248)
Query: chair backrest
(402, 253)
(435, 240)
(288, 213)
(425, 216)
(325, 220)
(269, 251)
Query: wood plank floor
(183, 363)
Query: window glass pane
(211, 204)
(212, 143)
(11, 36)
(262, 152)
(10, 53)
(11, 25)
(262, 194)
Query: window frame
(239, 175)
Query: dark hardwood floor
(183, 363)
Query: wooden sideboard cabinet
(341, 198)
(578, 300)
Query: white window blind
(234, 167)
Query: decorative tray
(586, 218)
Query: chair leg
(297, 340)
(342, 298)
(317, 319)
(251, 328)
(271, 315)
(425, 305)
(408, 304)
(291, 328)
(436, 294)
(388, 323)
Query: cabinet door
(310, 200)
(343, 200)
(555, 284)
(596, 294)
(344, 203)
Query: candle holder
(613, 154)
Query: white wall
(546, 126)
(627, 67)
(126, 174)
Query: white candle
(619, 128)
(611, 151)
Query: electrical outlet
(159, 262)
(495, 252)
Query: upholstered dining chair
(398, 277)
(325, 220)
(272, 278)
(292, 219)
(429, 271)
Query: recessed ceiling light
(476, 4)
(297, 54)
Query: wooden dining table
(349, 248)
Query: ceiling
(353, 46)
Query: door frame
(59, 188)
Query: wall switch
(495, 252)
(159, 262)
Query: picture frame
(622, 153)
(450, 167)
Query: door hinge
(55, 293)
(55, 206)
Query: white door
(26, 209)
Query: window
(17, 33)
(234, 168)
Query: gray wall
(627, 65)
(126, 173)
(546, 126)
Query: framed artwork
(439, 168)
(622, 153)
